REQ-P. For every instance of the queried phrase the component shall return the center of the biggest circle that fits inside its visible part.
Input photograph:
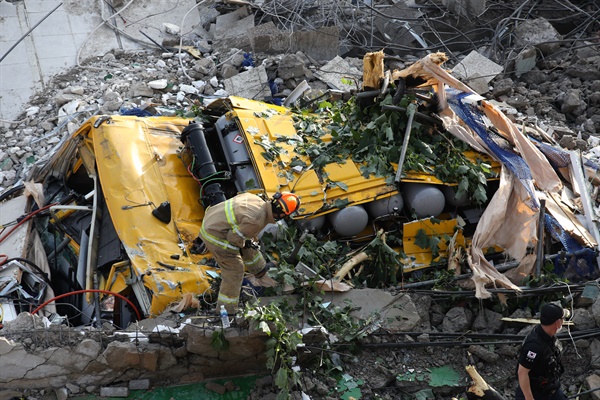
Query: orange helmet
(287, 202)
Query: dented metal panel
(139, 168)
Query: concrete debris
(396, 312)
(465, 8)
(338, 74)
(252, 84)
(114, 392)
(171, 28)
(539, 33)
(244, 53)
(525, 61)
(477, 71)
(139, 384)
(593, 382)
(319, 44)
(398, 27)
(231, 30)
(458, 319)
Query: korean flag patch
(531, 355)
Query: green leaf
(267, 156)
(480, 194)
(341, 185)
(263, 326)
(434, 245)
(250, 184)
(218, 341)
(422, 240)
(340, 203)
(281, 378)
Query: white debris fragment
(31, 111)
(171, 28)
(199, 85)
(189, 89)
(158, 84)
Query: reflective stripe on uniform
(226, 299)
(254, 261)
(231, 218)
(216, 241)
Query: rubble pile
(545, 79)
(545, 76)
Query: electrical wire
(30, 263)
(41, 306)
(104, 21)
(179, 56)
(25, 219)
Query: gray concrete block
(228, 25)
(252, 84)
(478, 70)
(139, 384)
(114, 392)
(465, 8)
(396, 312)
(320, 44)
(340, 75)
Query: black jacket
(540, 354)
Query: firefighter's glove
(266, 269)
(198, 247)
(250, 244)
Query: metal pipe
(28, 32)
(411, 109)
(90, 269)
(501, 268)
(540, 244)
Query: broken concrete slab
(114, 392)
(226, 24)
(252, 84)
(592, 382)
(321, 44)
(338, 74)
(395, 312)
(466, 8)
(15, 245)
(539, 33)
(397, 25)
(231, 30)
(477, 71)
(290, 66)
(525, 61)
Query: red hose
(28, 217)
(89, 291)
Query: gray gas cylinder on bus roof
(452, 199)
(385, 206)
(426, 200)
(349, 221)
(312, 224)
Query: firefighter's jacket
(230, 223)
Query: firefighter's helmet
(287, 202)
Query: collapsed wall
(37, 355)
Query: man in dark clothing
(540, 367)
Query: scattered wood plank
(480, 388)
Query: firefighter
(540, 367)
(229, 231)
